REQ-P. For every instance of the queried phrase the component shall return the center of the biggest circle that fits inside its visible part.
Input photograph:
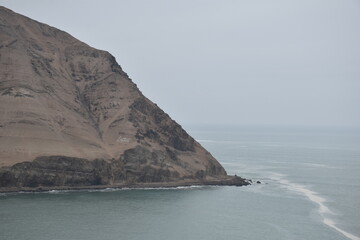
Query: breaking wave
(313, 196)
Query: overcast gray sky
(265, 62)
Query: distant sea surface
(310, 189)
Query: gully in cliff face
(71, 118)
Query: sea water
(310, 189)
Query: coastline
(228, 181)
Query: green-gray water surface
(310, 190)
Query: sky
(229, 62)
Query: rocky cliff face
(70, 116)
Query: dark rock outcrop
(135, 168)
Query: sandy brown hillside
(65, 104)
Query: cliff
(71, 117)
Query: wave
(191, 187)
(313, 196)
(128, 189)
(319, 165)
(172, 188)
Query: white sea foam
(54, 191)
(110, 190)
(172, 188)
(146, 188)
(318, 165)
(314, 197)
(190, 187)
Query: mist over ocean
(235, 62)
(310, 189)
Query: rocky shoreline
(229, 181)
(68, 173)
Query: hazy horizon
(286, 63)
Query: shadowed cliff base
(64, 173)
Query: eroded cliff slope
(70, 116)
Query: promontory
(71, 118)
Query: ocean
(310, 189)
